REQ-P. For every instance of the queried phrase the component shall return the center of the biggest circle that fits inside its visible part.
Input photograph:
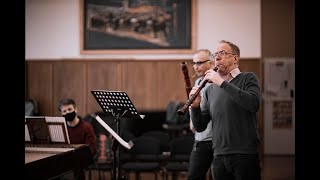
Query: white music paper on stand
(114, 134)
(58, 129)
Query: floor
(273, 168)
(278, 168)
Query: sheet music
(114, 134)
(56, 131)
(26, 133)
(41, 127)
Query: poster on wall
(282, 114)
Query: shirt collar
(235, 72)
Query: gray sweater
(233, 109)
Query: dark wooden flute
(182, 110)
(186, 77)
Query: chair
(180, 150)
(145, 153)
(101, 168)
(162, 136)
(125, 155)
(31, 107)
(164, 139)
(175, 124)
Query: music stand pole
(115, 147)
(118, 104)
(114, 150)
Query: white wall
(53, 29)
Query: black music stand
(117, 104)
(38, 130)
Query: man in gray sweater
(231, 102)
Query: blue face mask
(70, 116)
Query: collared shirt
(234, 73)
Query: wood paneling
(252, 65)
(149, 84)
(39, 85)
(69, 82)
(139, 82)
(101, 76)
(171, 85)
(278, 28)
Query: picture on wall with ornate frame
(137, 26)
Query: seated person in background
(80, 132)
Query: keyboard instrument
(47, 161)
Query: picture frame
(138, 26)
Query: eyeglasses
(199, 62)
(221, 54)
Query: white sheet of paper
(26, 134)
(56, 131)
(114, 134)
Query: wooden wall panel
(101, 76)
(278, 28)
(139, 81)
(171, 85)
(39, 85)
(69, 82)
(253, 65)
(149, 84)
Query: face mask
(70, 116)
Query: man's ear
(236, 59)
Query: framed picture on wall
(137, 26)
